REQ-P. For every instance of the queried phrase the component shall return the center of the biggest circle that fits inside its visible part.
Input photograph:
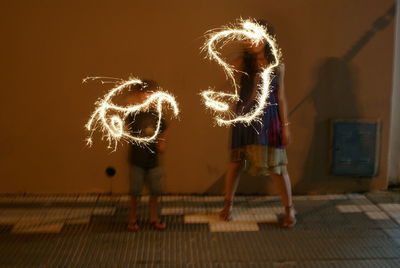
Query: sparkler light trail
(248, 30)
(113, 127)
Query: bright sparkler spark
(255, 33)
(113, 127)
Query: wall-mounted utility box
(355, 147)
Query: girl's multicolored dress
(260, 143)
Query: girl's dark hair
(250, 65)
(249, 61)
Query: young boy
(144, 160)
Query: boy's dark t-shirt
(144, 124)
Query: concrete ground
(353, 230)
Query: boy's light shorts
(152, 177)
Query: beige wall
(394, 144)
(49, 46)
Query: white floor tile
(104, 211)
(260, 210)
(367, 208)
(348, 208)
(124, 198)
(390, 206)
(233, 227)
(394, 214)
(201, 218)
(260, 218)
(172, 211)
(377, 215)
(355, 196)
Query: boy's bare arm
(161, 142)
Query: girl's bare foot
(226, 212)
(290, 217)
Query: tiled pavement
(353, 230)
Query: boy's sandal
(158, 225)
(133, 226)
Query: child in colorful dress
(261, 146)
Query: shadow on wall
(333, 96)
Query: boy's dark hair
(146, 86)
(149, 85)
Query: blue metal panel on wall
(355, 148)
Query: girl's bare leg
(231, 183)
(285, 190)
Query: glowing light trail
(113, 127)
(256, 34)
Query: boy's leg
(136, 179)
(132, 221)
(154, 208)
(155, 187)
